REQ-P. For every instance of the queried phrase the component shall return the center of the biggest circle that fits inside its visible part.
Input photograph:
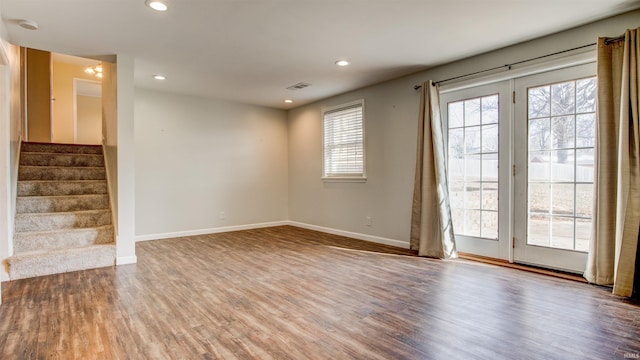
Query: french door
(520, 167)
(478, 127)
(554, 161)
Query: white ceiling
(251, 50)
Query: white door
(478, 139)
(87, 104)
(554, 137)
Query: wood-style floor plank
(289, 293)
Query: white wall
(126, 172)
(10, 132)
(118, 143)
(196, 157)
(391, 114)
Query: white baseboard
(209, 231)
(365, 237)
(124, 260)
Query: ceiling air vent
(298, 86)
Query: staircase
(63, 219)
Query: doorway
(87, 117)
(520, 167)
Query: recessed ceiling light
(342, 63)
(288, 101)
(159, 77)
(156, 5)
(28, 24)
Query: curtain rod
(611, 40)
(508, 66)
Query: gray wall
(196, 157)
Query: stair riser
(54, 221)
(40, 159)
(61, 148)
(51, 188)
(59, 204)
(27, 266)
(53, 240)
(60, 173)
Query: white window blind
(344, 141)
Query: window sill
(344, 179)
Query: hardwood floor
(289, 293)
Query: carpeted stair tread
(60, 148)
(61, 159)
(39, 263)
(46, 204)
(61, 187)
(61, 239)
(28, 172)
(62, 220)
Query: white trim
(358, 236)
(344, 179)
(177, 234)
(4, 58)
(350, 104)
(586, 57)
(124, 260)
(114, 212)
(6, 195)
(349, 234)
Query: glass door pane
(560, 168)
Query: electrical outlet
(368, 221)
(223, 215)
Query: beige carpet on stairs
(63, 219)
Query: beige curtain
(431, 227)
(616, 218)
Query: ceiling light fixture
(342, 63)
(156, 5)
(28, 24)
(288, 101)
(159, 77)
(94, 70)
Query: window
(344, 142)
